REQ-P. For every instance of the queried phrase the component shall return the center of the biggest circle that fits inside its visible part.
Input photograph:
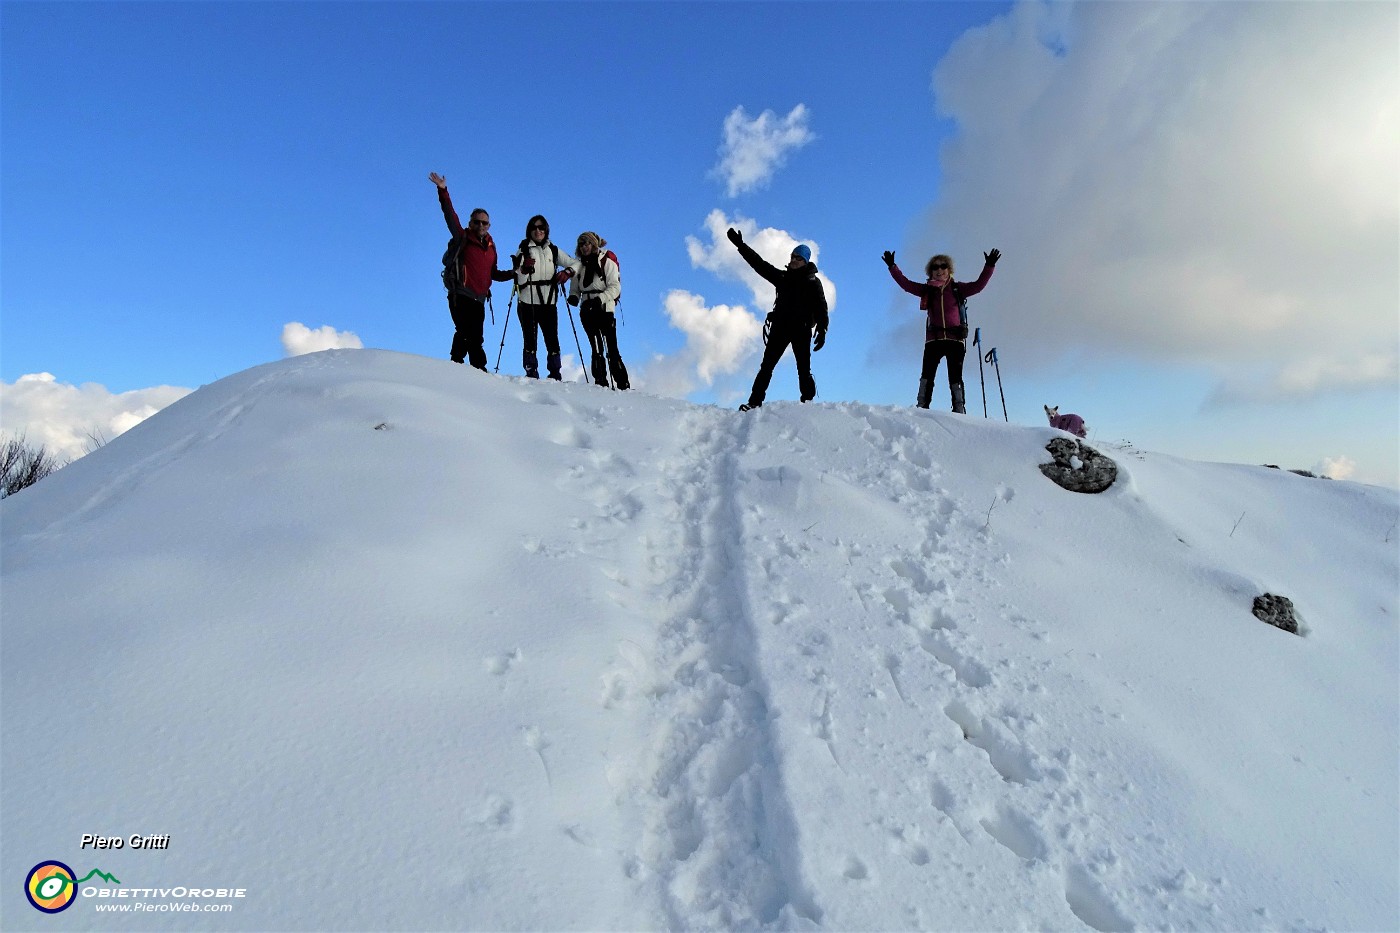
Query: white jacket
(537, 287)
(608, 287)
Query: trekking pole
(981, 373)
(607, 357)
(504, 329)
(492, 307)
(992, 358)
(577, 346)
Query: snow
(392, 644)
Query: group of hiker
(538, 269)
(798, 320)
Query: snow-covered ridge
(392, 644)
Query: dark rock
(1277, 611)
(1092, 473)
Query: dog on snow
(1071, 423)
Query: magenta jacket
(944, 318)
(479, 262)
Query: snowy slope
(393, 645)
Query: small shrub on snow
(21, 465)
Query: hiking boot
(552, 362)
(925, 393)
(750, 406)
(959, 400)
(532, 363)
(600, 370)
(619, 374)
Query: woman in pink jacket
(945, 331)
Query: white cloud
(720, 257)
(67, 419)
(1203, 183)
(569, 368)
(1308, 377)
(669, 375)
(298, 339)
(753, 149)
(719, 339)
(1336, 467)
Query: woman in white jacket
(594, 287)
(537, 261)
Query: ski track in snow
(720, 836)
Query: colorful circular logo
(50, 887)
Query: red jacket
(478, 255)
(944, 317)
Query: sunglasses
(535, 227)
(940, 265)
(478, 222)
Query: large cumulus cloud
(1214, 184)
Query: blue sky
(183, 181)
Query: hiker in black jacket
(799, 307)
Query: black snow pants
(469, 317)
(538, 320)
(935, 350)
(780, 337)
(601, 328)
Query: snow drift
(390, 644)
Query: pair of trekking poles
(514, 288)
(989, 357)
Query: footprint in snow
(571, 436)
(855, 870)
(1089, 902)
(502, 663)
(497, 814)
(1015, 831)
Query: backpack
(613, 256)
(452, 264)
(609, 254)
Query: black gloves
(992, 257)
(735, 236)
(888, 257)
(573, 300)
(593, 305)
(962, 332)
(820, 341)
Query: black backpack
(452, 264)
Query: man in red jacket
(476, 270)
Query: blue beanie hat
(802, 250)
